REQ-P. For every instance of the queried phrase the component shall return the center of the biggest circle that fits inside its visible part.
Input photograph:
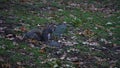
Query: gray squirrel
(48, 35)
(34, 34)
(39, 35)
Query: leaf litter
(67, 54)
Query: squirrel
(47, 33)
(34, 34)
(39, 35)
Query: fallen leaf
(7, 65)
(42, 51)
(23, 29)
(32, 41)
(63, 56)
(88, 32)
(19, 63)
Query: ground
(92, 38)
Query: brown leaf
(23, 29)
(78, 63)
(19, 63)
(7, 65)
(43, 50)
(20, 67)
(32, 41)
(88, 32)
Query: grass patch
(39, 13)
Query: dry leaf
(23, 29)
(33, 41)
(7, 65)
(19, 63)
(63, 56)
(42, 51)
(88, 32)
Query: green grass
(75, 17)
(83, 48)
